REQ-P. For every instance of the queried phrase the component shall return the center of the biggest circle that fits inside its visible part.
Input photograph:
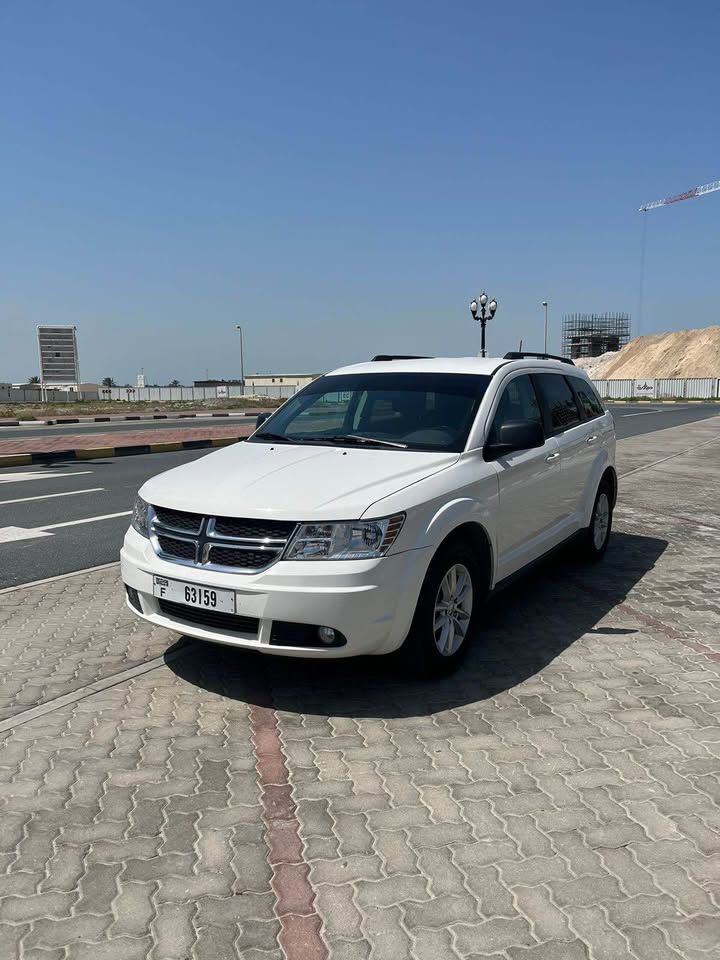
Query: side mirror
(261, 418)
(515, 435)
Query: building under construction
(592, 334)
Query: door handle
(591, 439)
(553, 456)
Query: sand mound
(685, 353)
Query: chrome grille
(179, 549)
(230, 527)
(218, 543)
(179, 520)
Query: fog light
(327, 635)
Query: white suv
(376, 508)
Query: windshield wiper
(275, 438)
(351, 438)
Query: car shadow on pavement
(526, 627)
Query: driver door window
(518, 402)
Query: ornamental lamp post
(483, 311)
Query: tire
(436, 645)
(595, 538)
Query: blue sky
(342, 178)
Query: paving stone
(641, 911)
(547, 922)
(591, 925)
(342, 917)
(574, 950)
(491, 936)
(649, 943)
(694, 933)
(585, 891)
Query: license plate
(193, 595)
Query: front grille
(253, 529)
(179, 520)
(180, 549)
(218, 543)
(210, 618)
(230, 557)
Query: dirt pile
(685, 353)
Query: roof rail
(521, 355)
(396, 356)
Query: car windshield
(389, 411)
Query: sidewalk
(91, 445)
(557, 799)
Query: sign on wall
(644, 388)
(57, 347)
(222, 392)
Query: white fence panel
(687, 388)
(157, 394)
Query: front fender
(458, 512)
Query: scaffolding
(592, 334)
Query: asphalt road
(92, 499)
(93, 492)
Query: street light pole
(242, 366)
(545, 304)
(483, 311)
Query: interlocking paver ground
(557, 798)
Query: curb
(119, 418)
(92, 453)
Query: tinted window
(518, 402)
(588, 398)
(559, 400)
(422, 411)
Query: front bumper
(371, 602)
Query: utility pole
(545, 304)
(242, 364)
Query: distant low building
(262, 380)
(279, 379)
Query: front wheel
(595, 538)
(446, 612)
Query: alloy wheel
(453, 610)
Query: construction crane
(688, 195)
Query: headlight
(357, 540)
(139, 520)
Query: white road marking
(73, 523)
(17, 477)
(49, 496)
(643, 413)
(11, 534)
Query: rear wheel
(596, 537)
(446, 613)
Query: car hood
(290, 482)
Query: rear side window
(588, 398)
(559, 400)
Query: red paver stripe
(295, 901)
(653, 622)
(130, 438)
